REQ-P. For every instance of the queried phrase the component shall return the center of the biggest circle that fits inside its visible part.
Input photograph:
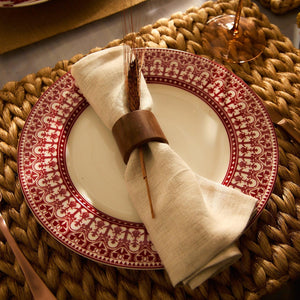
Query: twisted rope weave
(271, 248)
(280, 7)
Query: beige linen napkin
(196, 220)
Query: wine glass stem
(235, 28)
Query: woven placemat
(271, 248)
(280, 6)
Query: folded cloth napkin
(197, 221)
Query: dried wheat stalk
(132, 67)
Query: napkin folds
(197, 221)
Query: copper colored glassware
(234, 38)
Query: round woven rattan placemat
(280, 7)
(271, 248)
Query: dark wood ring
(135, 129)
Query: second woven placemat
(280, 6)
(271, 248)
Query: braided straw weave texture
(280, 6)
(271, 248)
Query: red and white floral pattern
(64, 212)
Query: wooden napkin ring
(136, 129)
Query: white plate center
(192, 128)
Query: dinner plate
(71, 171)
(20, 3)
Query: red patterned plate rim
(20, 3)
(64, 212)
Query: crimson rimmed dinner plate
(71, 171)
(19, 3)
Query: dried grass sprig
(133, 63)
